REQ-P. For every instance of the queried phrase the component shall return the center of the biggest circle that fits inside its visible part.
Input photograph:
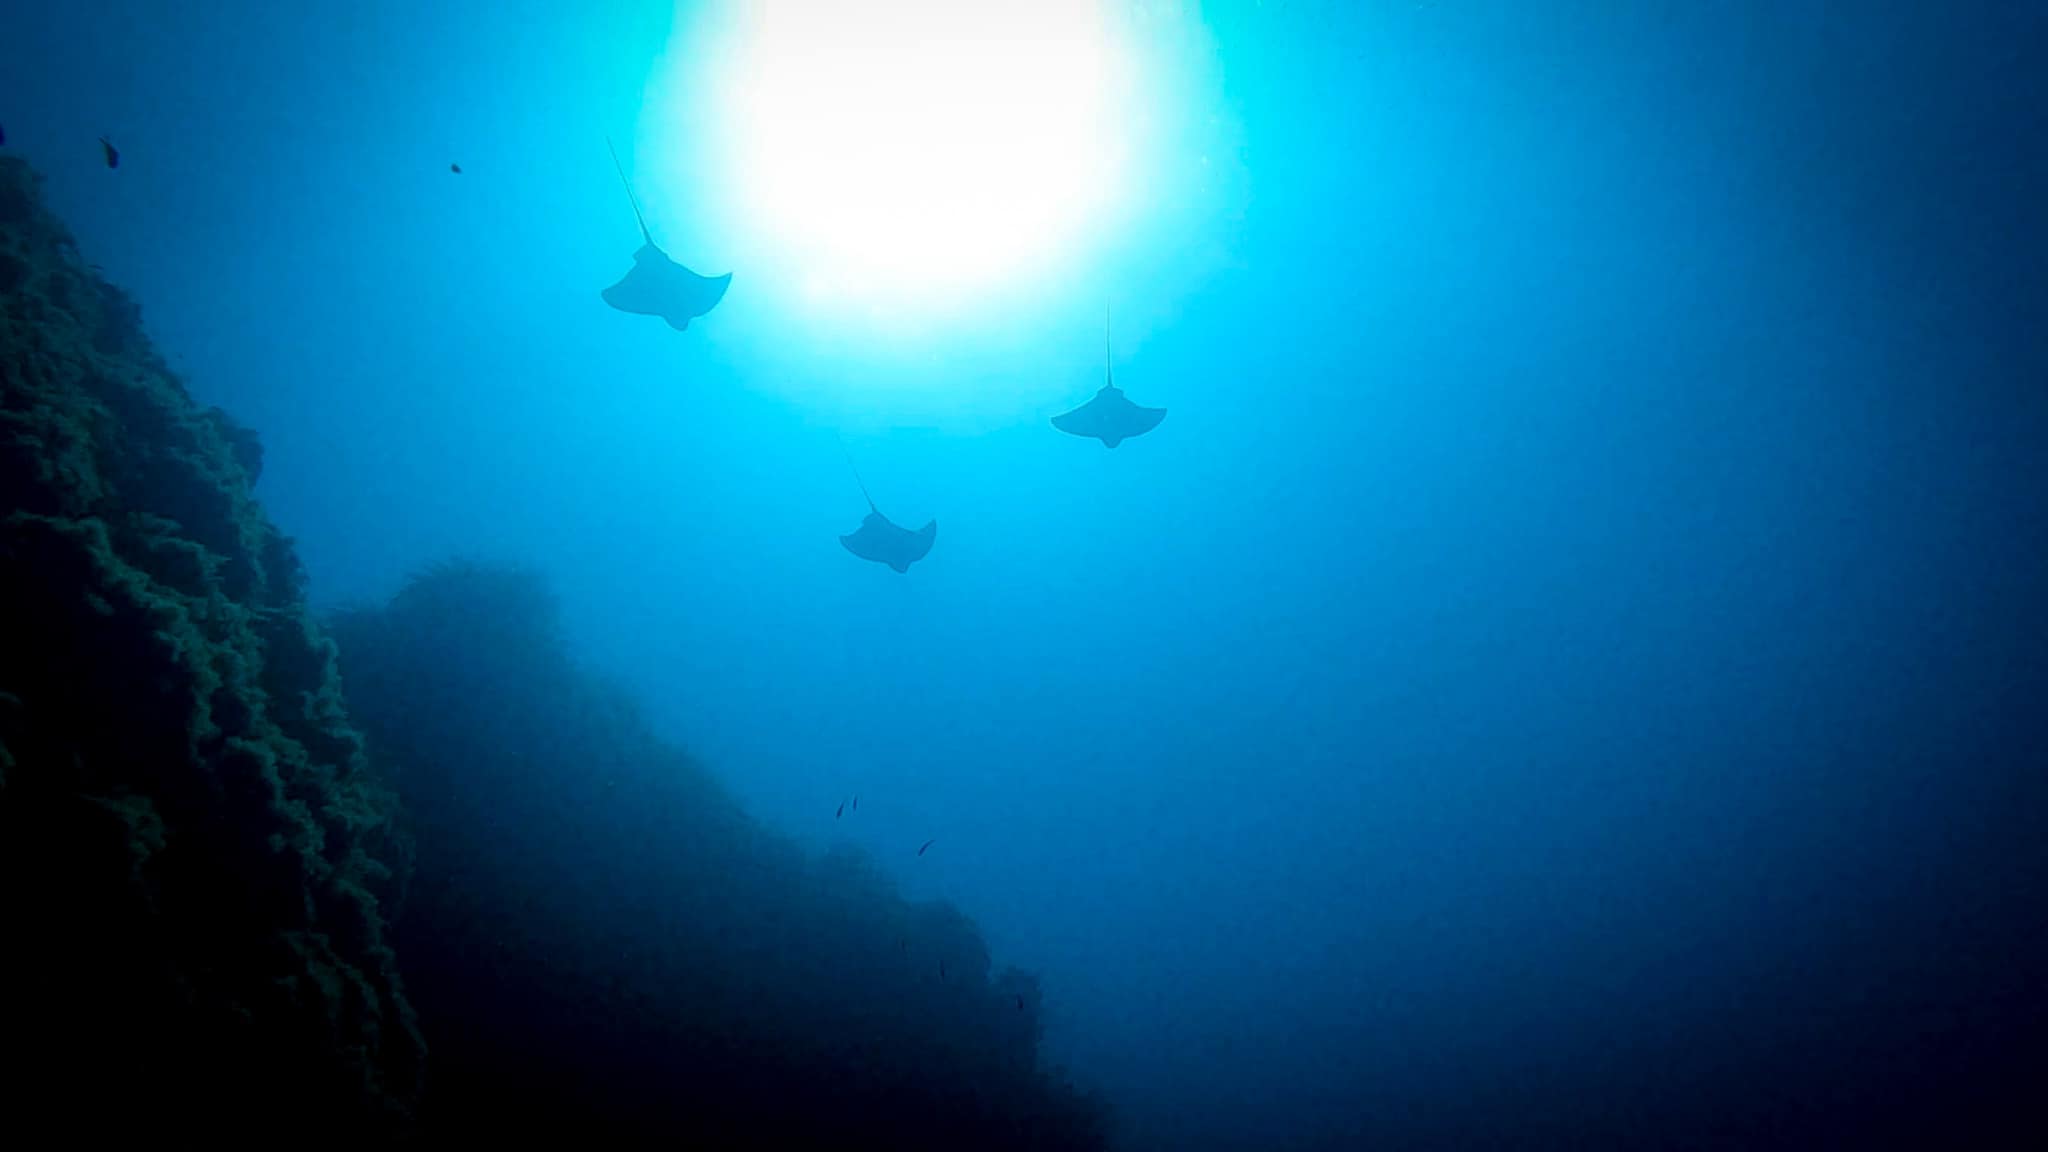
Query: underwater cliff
(603, 943)
(472, 897)
(192, 849)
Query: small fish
(856, 801)
(841, 812)
(942, 971)
(455, 168)
(1020, 1003)
(113, 154)
(927, 844)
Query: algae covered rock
(193, 853)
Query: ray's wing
(658, 286)
(1133, 420)
(640, 289)
(876, 539)
(1110, 417)
(918, 544)
(866, 541)
(906, 547)
(1083, 421)
(710, 291)
(885, 543)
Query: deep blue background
(1569, 665)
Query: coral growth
(192, 853)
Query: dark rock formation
(192, 852)
(201, 881)
(605, 949)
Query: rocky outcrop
(202, 882)
(606, 949)
(193, 854)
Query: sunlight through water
(919, 151)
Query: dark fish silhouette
(1110, 417)
(882, 540)
(841, 812)
(455, 168)
(942, 971)
(657, 285)
(113, 154)
(856, 801)
(1020, 1003)
(927, 844)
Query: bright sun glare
(921, 148)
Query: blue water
(1568, 668)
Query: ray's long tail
(1108, 376)
(644, 233)
(855, 469)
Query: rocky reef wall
(193, 852)
(214, 867)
